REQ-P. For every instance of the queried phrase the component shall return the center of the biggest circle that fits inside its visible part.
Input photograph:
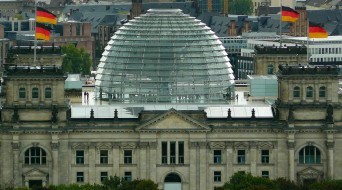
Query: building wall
(77, 33)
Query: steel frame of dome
(164, 56)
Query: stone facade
(42, 143)
(268, 58)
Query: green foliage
(285, 184)
(326, 185)
(76, 60)
(245, 181)
(117, 183)
(240, 7)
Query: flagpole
(280, 24)
(35, 37)
(307, 39)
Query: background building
(44, 140)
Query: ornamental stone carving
(217, 145)
(54, 146)
(330, 144)
(291, 144)
(16, 146)
(79, 146)
(128, 145)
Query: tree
(240, 7)
(76, 60)
(245, 181)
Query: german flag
(45, 16)
(288, 14)
(42, 32)
(317, 31)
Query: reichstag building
(165, 110)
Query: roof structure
(165, 56)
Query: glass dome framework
(164, 56)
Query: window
(35, 155)
(217, 156)
(103, 156)
(128, 176)
(80, 177)
(265, 156)
(180, 152)
(164, 152)
(172, 152)
(217, 176)
(310, 155)
(128, 156)
(270, 69)
(48, 93)
(170, 147)
(265, 174)
(322, 91)
(22, 93)
(309, 92)
(296, 92)
(241, 159)
(103, 176)
(79, 156)
(35, 92)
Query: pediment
(35, 173)
(310, 172)
(173, 120)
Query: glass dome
(164, 56)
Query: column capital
(291, 144)
(193, 144)
(15, 145)
(54, 145)
(202, 144)
(153, 145)
(253, 144)
(143, 144)
(229, 144)
(330, 144)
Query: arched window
(35, 155)
(296, 92)
(322, 91)
(270, 69)
(309, 92)
(48, 93)
(310, 155)
(35, 92)
(22, 93)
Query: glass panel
(172, 152)
(309, 92)
(217, 156)
(164, 152)
(35, 93)
(181, 152)
(48, 93)
(296, 92)
(22, 93)
(322, 92)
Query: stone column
(229, 160)
(116, 159)
(16, 174)
(91, 163)
(253, 158)
(142, 159)
(330, 146)
(291, 145)
(193, 166)
(55, 167)
(203, 165)
(153, 161)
